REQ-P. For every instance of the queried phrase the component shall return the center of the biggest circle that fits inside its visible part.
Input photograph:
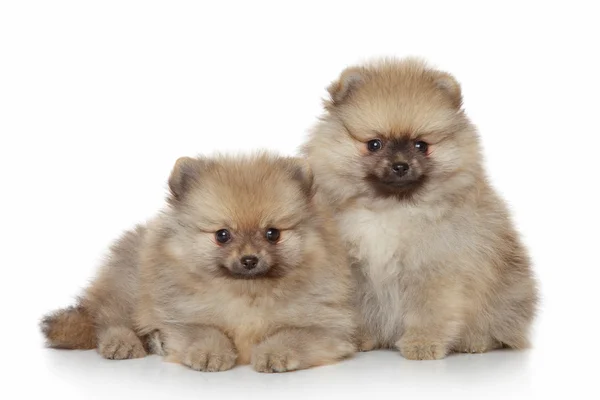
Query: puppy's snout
(249, 262)
(400, 168)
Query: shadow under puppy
(241, 267)
(439, 264)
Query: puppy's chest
(382, 242)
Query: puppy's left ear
(300, 171)
(450, 87)
(349, 80)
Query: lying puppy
(242, 267)
(439, 265)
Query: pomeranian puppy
(241, 267)
(439, 265)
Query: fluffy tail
(69, 328)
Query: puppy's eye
(374, 145)
(421, 146)
(223, 236)
(272, 235)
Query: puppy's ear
(300, 171)
(185, 173)
(349, 80)
(450, 87)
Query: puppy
(439, 265)
(241, 267)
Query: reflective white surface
(544, 371)
(498, 375)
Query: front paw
(203, 357)
(120, 343)
(366, 342)
(478, 345)
(419, 349)
(268, 359)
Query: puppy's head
(392, 129)
(241, 218)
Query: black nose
(249, 262)
(400, 168)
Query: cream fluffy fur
(440, 267)
(169, 287)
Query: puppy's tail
(69, 328)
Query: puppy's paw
(205, 356)
(421, 349)
(120, 343)
(366, 343)
(272, 359)
(479, 345)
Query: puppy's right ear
(349, 81)
(185, 173)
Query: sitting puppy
(439, 265)
(242, 267)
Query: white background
(98, 99)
